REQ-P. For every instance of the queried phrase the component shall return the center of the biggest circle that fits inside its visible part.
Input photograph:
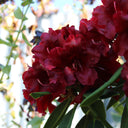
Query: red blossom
(70, 62)
(102, 20)
(121, 21)
(98, 41)
(106, 67)
(36, 79)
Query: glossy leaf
(98, 108)
(98, 124)
(98, 92)
(88, 122)
(85, 122)
(98, 111)
(37, 95)
(127, 102)
(57, 114)
(85, 109)
(67, 119)
(35, 122)
(26, 40)
(109, 93)
(124, 120)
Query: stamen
(76, 65)
(115, 6)
(48, 50)
(41, 83)
(93, 41)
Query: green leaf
(85, 109)
(67, 120)
(1, 67)
(21, 114)
(35, 122)
(113, 100)
(98, 124)
(16, 124)
(37, 95)
(1, 19)
(98, 92)
(10, 38)
(27, 2)
(118, 107)
(85, 122)
(15, 55)
(26, 40)
(8, 98)
(57, 114)
(11, 105)
(124, 120)
(127, 102)
(98, 109)
(116, 117)
(23, 28)
(18, 14)
(88, 122)
(6, 69)
(109, 93)
(7, 43)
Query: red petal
(87, 76)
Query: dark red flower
(121, 21)
(69, 50)
(121, 44)
(69, 62)
(98, 41)
(103, 21)
(106, 67)
(125, 71)
(64, 66)
(75, 58)
(122, 5)
(36, 79)
(116, 5)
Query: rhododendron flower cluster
(69, 62)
